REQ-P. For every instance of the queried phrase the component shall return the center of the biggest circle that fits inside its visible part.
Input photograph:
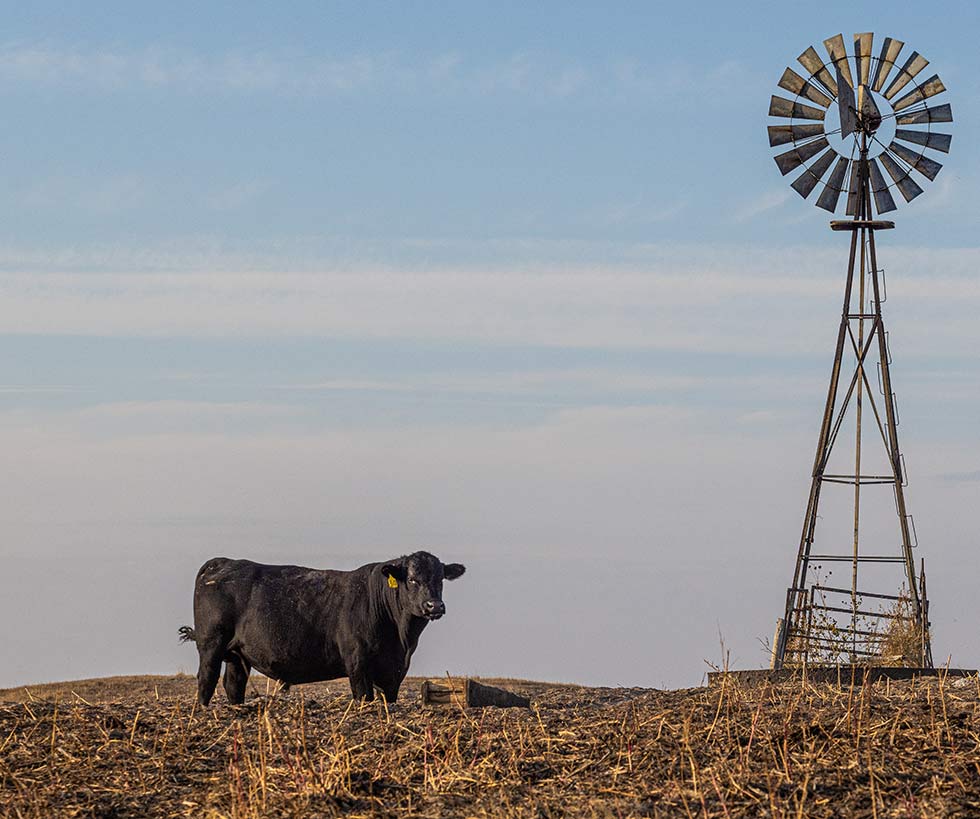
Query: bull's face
(417, 580)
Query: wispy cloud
(637, 212)
(524, 73)
(962, 477)
(154, 418)
(50, 64)
(236, 196)
(670, 297)
(107, 193)
(520, 73)
(756, 206)
(30, 389)
(569, 386)
(549, 390)
(943, 194)
(102, 195)
(184, 409)
(584, 308)
(758, 417)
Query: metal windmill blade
(838, 56)
(890, 50)
(925, 116)
(913, 65)
(862, 56)
(834, 186)
(831, 119)
(807, 181)
(903, 177)
(884, 202)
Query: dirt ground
(140, 746)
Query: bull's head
(417, 579)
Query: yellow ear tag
(392, 582)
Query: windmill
(844, 119)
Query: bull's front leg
(389, 680)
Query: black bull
(300, 625)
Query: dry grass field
(139, 747)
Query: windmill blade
(929, 88)
(779, 107)
(929, 168)
(794, 83)
(862, 56)
(832, 188)
(906, 184)
(938, 142)
(883, 198)
(913, 65)
(807, 181)
(838, 56)
(812, 62)
(852, 188)
(889, 53)
(795, 157)
(924, 116)
(782, 134)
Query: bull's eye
(412, 581)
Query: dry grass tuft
(902, 636)
(795, 750)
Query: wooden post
(775, 642)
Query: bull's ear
(453, 570)
(394, 570)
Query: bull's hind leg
(236, 678)
(211, 653)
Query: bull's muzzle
(433, 609)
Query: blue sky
(522, 285)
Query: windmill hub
(879, 129)
(868, 114)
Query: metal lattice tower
(880, 615)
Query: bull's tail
(187, 634)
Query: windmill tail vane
(854, 118)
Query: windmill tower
(855, 595)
